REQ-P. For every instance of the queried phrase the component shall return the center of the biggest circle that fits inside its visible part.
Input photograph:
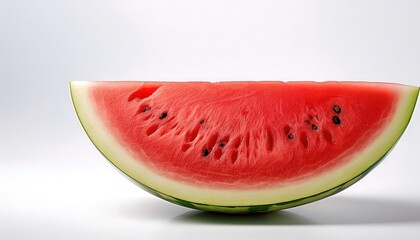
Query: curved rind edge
(254, 208)
(257, 207)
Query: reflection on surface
(270, 218)
(332, 211)
(360, 210)
(338, 210)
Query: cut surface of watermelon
(244, 146)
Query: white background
(54, 184)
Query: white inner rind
(134, 168)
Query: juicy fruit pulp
(243, 135)
(243, 138)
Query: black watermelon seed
(290, 136)
(337, 109)
(201, 121)
(163, 115)
(314, 127)
(336, 120)
(147, 108)
(205, 152)
(222, 144)
(307, 121)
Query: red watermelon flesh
(243, 135)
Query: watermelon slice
(242, 147)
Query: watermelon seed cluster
(212, 142)
(336, 120)
(216, 144)
(312, 122)
(313, 125)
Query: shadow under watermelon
(269, 218)
(342, 210)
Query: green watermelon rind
(409, 101)
(252, 208)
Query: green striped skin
(256, 208)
